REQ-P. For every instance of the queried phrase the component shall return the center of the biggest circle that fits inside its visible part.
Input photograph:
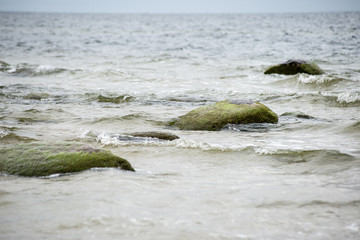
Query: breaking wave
(31, 70)
(282, 154)
(314, 80)
(345, 99)
(12, 137)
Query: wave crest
(31, 70)
(348, 97)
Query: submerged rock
(297, 115)
(292, 67)
(36, 159)
(36, 96)
(215, 117)
(158, 135)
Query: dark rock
(158, 135)
(292, 67)
(297, 115)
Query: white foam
(44, 69)
(348, 97)
(353, 227)
(3, 134)
(116, 140)
(311, 79)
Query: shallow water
(92, 78)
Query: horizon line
(176, 13)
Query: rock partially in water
(39, 159)
(158, 135)
(37, 96)
(297, 114)
(292, 67)
(118, 99)
(215, 117)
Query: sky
(180, 6)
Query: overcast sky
(180, 6)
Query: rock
(38, 159)
(292, 67)
(158, 135)
(297, 115)
(119, 99)
(36, 96)
(215, 117)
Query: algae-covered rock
(37, 96)
(118, 99)
(158, 135)
(215, 117)
(292, 67)
(36, 159)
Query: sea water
(297, 179)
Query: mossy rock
(292, 67)
(215, 117)
(37, 96)
(158, 135)
(37, 159)
(118, 99)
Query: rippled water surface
(93, 78)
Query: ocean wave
(127, 117)
(330, 98)
(305, 155)
(31, 70)
(107, 97)
(252, 127)
(345, 99)
(281, 154)
(314, 80)
(314, 203)
(126, 140)
(348, 97)
(320, 79)
(320, 203)
(354, 128)
(12, 137)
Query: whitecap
(348, 97)
(353, 227)
(125, 140)
(3, 134)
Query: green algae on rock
(158, 135)
(118, 99)
(37, 96)
(215, 117)
(37, 159)
(292, 67)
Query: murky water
(92, 78)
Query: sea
(93, 78)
